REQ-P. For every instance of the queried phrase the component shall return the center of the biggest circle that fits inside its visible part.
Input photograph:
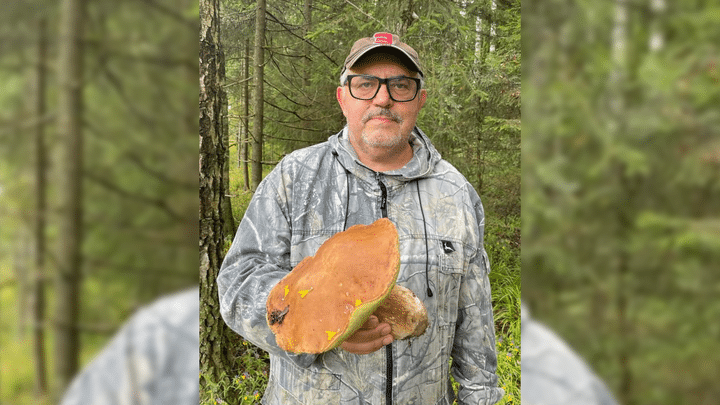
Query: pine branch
(286, 96)
(303, 39)
(188, 22)
(156, 202)
(284, 110)
(134, 158)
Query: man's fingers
(367, 335)
(371, 323)
(366, 347)
(367, 340)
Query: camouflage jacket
(552, 374)
(153, 359)
(318, 191)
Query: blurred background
(98, 177)
(620, 186)
(621, 178)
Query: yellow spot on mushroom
(330, 334)
(358, 302)
(303, 293)
(287, 290)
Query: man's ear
(339, 95)
(423, 97)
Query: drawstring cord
(427, 250)
(347, 189)
(417, 187)
(347, 197)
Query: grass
(502, 243)
(245, 387)
(17, 373)
(17, 378)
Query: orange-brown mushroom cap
(327, 297)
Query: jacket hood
(424, 159)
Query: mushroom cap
(327, 297)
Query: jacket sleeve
(259, 258)
(153, 359)
(553, 373)
(474, 357)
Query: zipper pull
(383, 199)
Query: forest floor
(17, 367)
(17, 378)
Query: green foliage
(502, 243)
(17, 382)
(13, 361)
(140, 176)
(620, 165)
(244, 388)
(239, 196)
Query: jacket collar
(422, 164)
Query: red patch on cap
(383, 38)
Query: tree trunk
(259, 59)
(479, 155)
(21, 260)
(619, 59)
(617, 125)
(657, 38)
(38, 293)
(493, 34)
(229, 226)
(246, 116)
(307, 69)
(70, 190)
(213, 99)
(225, 204)
(484, 30)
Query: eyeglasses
(400, 88)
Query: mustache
(383, 112)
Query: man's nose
(382, 98)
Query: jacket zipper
(388, 348)
(383, 199)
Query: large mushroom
(327, 297)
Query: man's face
(370, 131)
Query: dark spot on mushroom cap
(277, 316)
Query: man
(552, 374)
(379, 165)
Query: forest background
(281, 64)
(616, 110)
(98, 177)
(621, 183)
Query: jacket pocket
(290, 384)
(451, 267)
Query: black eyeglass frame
(385, 81)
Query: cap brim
(351, 62)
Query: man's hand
(369, 338)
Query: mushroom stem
(405, 313)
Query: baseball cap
(382, 40)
